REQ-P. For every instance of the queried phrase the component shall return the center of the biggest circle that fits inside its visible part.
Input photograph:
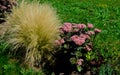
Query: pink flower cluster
(90, 32)
(59, 42)
(3, 7)
(97, 30)
(87, 48)
(81, 26)
(78, 40)
(90, 26)
(85, 36)
(80, 61)
(67, 27)
(80, 35)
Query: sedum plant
(77, 42)
(32, 29)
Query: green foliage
(10, 66)
(3, 48)
(15, 69)
(30, 72)
(106, 69)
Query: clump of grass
(33, 27)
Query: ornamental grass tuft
(33, 28)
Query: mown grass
(104, 14)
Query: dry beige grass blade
(35, 27)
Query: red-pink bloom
(90, 25)
(90, 32)
(74, 37)
(88, 48)
(80, 61)
(9, 6)
(67, 27)
(81, 26)
(3, 7)
(59, 42)
(97, 30)
(78, 40)
(85, 36)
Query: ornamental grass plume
(33, 27)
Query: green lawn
(103, 14)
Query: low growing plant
(77, 42)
